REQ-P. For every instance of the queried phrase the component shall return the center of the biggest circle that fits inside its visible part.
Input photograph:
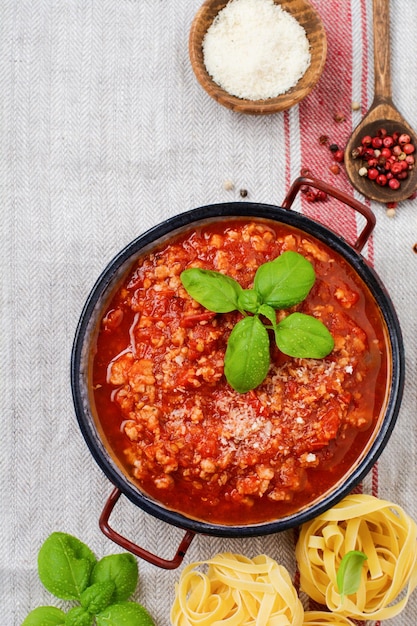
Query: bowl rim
(267, 106)
(122, 262)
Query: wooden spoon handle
(382, 59)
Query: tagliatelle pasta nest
(379, 529)
(321, 618)
(238, 591)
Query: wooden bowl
(307, 17)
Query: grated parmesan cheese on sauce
(256, 50)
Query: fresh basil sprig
(278, 284)
(349, 574)
(215, 291)
(70, 571)
(246, 361)
(285, 281)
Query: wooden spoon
(382, 114)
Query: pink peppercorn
(402, 175)
(388, 141)
(339, 116)
(367, 140)
(396, 168)
(394, 183)
(386, 158)
(313, 195)
(403, 139)
(368, 153)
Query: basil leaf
(247, 356)
(45, 616)
(285, 281)
(249, 300)
(78, 616)
(303, 336)
(349, 574)
(268, 312)
(119, 569)
(97, 596)
(213, 290)
(64, 565)
(126, 613)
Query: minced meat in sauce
(183, 434)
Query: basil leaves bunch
(278, 284)
(69, 570)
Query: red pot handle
(135, 549)
(339, 195)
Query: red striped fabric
(319, 115)
(346, 79)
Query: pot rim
(119, 266)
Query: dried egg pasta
(380, 529)
(236, 591)
(321, 618)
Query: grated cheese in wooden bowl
(256, 50)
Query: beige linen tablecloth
(104, 133)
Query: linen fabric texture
(105, 132)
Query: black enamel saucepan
(85, 343)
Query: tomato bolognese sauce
(189, 440)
